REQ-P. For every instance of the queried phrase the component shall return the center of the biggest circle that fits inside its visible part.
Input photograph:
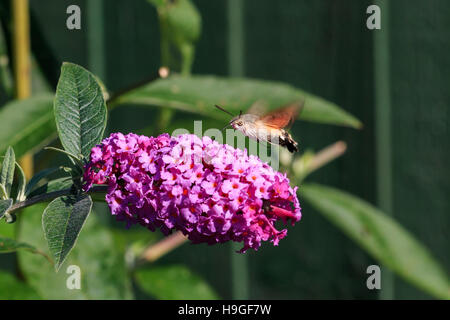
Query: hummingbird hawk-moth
(269, 127)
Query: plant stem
(305, 165)
(50, 196)
(155, 251)
(112, 100)
(22, 65)
(327, 155)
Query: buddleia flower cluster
(209, 191)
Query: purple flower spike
(211, 192)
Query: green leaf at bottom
(62, 222)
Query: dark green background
(322, 46)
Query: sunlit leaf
(199, 94)
(80, 110)
(62, 221)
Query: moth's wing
(259, 107)
(283, 117)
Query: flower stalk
(310, 162)
(157, 250)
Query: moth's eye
(239, 123)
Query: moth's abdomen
(287, 141)
(270, 135)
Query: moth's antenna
(228, 125)
(222, 109)
(240, 113)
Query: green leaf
(15, 289)
(7, 174)
(80, 110)
(199, 94)
(381, 236)
(38, 177)
(21, 184)
(4, 206)
(28, 129)
(62, 221)
(53, 185)
(103, 272)
(174, 283)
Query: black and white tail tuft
(287, 141)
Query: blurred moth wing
(283, 117)
(258, 108)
